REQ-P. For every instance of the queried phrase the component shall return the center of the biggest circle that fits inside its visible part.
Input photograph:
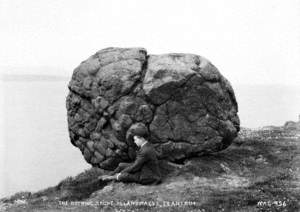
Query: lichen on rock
(182, 100)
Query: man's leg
(120, 167)
(130, 178)
(113, 174)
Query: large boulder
(182, 100)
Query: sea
(35, 149)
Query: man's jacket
(146, 161)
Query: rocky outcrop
(183, 101)
(291, 125)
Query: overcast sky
(249, 41)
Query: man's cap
(138, 129)
(141, 132)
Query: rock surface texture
(183, 101)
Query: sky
(250, 42)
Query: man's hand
(107, 177)
(118, 175)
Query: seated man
(145, 168)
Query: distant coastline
(32, 77)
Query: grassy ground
(260, 171)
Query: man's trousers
(131, 177)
